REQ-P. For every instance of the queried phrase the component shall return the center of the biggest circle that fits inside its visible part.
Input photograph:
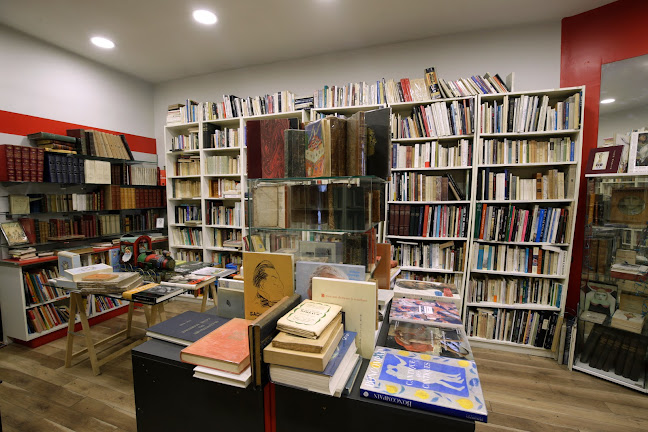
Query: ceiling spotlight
(102, 42)
(607, 101)
(204, 17)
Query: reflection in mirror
(624, 109)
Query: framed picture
(604, 160)
(629, 206)
(638, 157)
(14, 233)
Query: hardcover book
(272, 146)
(295, 141)
(297, 343)
(14, 233)
(77, 274)
(186, 328)
(428, 339)
(318, 154)
(379, 151)
(359, 301)
(604, 160)
(306, 270)
(308, 319)
(424, 290)
(438, 384)
(268, 278)
(356, 145)
(241, 380)
(225, 348)
(424, 311)
(336, 133)
(253, 143)
(157, 294)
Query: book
(331, 380)
(262, 331)
(271, 206)
(425, 290)
(241, 380)
(128, 295)
(303, 360)
(157, 294)
(424, 311)
(604, 160)
(186, 328)
(253, 143)
(306, 270)
(308, 319)
(359, 301)
(14, 233)
(268, 278)
(77, 274)
(438, 384)
(629, 321)
(225, 348)
(378, 142)
(295, 141)
(298, 343)
(318, 150)
(272, 146)
(356, 145)
(429, 339)
(188, 281)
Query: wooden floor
(522, 392)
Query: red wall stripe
(22, 124)
(607, 34)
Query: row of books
(71, 169)
(350, 94)
(135, 175)
(187, 236)
(515, 224)
(527, 327)
(227, 238)
(140, 222)
(234, 106)
(432, 154)
(46, 317)
(102, 144)
(224, 138)
(512, 151)
(221, 259)
(615, 351)
(428, 220)
(435, 256)
(218, 214)
(185, 142)
(406, 186)
(185, 188)
(103, 303)
(546, 260)
(21, 163)
(511, 291)
(37, 289)
(555, 184)
(187, 165)
(222, 165)
(188, 212)
(531, 114)
(454, 279)
(488, 84)
(188, 255)
(435, 120)
(186, 112)
(125, 197)
(224, 188)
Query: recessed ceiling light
(607, 101)
(102, 42)
(204, 17)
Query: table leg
(147, 314)
(70, 333)
(88, 336)
(129, 322)
(205, 294)
(162, 312)
(212, 288)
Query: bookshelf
(207, 207)
(429, 214)
(526, 172)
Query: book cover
(359, 301)
(306, 270)
(424, 311)
(128, 295)
(186, 328)
(157, 294)
(268, 278)
(379, 149)
(270, 206)
(272, 147)
(253, 143)
(188, 281)
(308, 319)
(295, 141)
(336, 133)
(604, 160)
(241, 380)
(77, 274)
(356, 145)
(426, 290)
(225, 348)
(298, 343)
(439, 384)
(14, 233)
(429, 339)
(318, 155)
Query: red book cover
(11, 162)
(4, 165)
(483, 220)
(33, 164)
(17, 153)
(26, 166)
(29, 228)
(272, 147)
(226, 348)
(406, 92)
(40, 157)
(253, 143)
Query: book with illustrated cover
(14, 233)
(188, 281)
(186, 328)
(268, 278)
(306, 270)
(298, 343)
(272, 146)
(157, 294)
(425, 311)
(424, 290)
(225, 348)
(309, 319)
(318, 155)
(431, 383)
(295, 141)
(428, 339)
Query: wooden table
(209, 286)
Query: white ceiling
(157, 40)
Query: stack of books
(312, 350)
(425, 290)
(23, 253)
(221, 356)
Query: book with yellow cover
(268, 277)
(308, 319)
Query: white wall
(532, 52)
(42, 80)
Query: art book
(268, 278)
(359, 301)
(424, 311)
(604, 160)
(225, 348)
(272, 146)
(306, 270)
(427, 339)
(309, 319)
(423, 290)
(157, 294)
(186, 328)
(431, 383)
(318, 155)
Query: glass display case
(612, 338)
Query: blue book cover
(480, 257)
(489, 266)
(186, 328)
(541, 216)
(348, 340)
(427, 382)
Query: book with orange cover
(226, 348)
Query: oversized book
(225, 348)
(186, 328)
(298, 343)
(157, 294)
(431, 383)
(253, 143)
(309, 319)
(379, 151)
(295, 141)
(428, 339)
(268, 278)
(424, 290)
(425, 311)
(272, 146)
(318, 151)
